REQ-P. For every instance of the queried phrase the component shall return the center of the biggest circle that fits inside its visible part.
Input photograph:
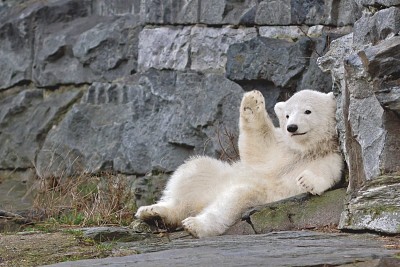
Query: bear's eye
(307, 112)
(287, 116)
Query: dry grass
(85, 200)
(228, 144)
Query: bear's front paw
(252, 104)
(307, 180)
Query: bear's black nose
(292, 128)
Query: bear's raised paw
(252, 104)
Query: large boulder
(314, 12)
(25, 120)
(366, 76)
(86, 50)
(374, 207)
(153, 121)
(197, 48)
(18, 29)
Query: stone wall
(138, 86)
(366, 74)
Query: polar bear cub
(206, 196)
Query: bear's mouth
(298, 134)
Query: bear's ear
(332, 98)
(280, 111)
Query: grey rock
(117, 126)
(389, 98)
(370, 29)
(209, 46)
(333, 62)
(227, 12)
(25, 120)
(15, 53)
(139, 226)
(374, 207)
(240, 228)
(316, 212)
(278, 61)
(342, 13)
(274, 13)
(366, 81)
(121, 234)
(313, 77)
(10, 221)
(86, 50)
(274, 249)
(289, 33)
(16, 189)
(171, 11)
(366, 120)
(18, 29)
(164, 48)
(339, 13)
(197, 48)
(382, 60)
(209, 12)
(147, 189)
(373, 3)
(116, 7)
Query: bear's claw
(190, 225)
(252, 103)
(307, 180)
(147, 212)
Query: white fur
(206, 196)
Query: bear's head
(307, 118)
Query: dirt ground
(33, 249)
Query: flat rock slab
(297, 248)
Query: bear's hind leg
(223, 212)
(164, 211)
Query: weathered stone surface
(366, 80)
(147, 189)
(339, 13)
(274, 249)
(197, 48)
(170, 11)
(373, 3)
(116, 7)
(278, 61)
(374, 207)
(87, 50)
(121, 234)
(18, 29)
(25, 120)
(333, 62)
(289, 33)
(227, 12)
(370, 29)
(126, 119)
(10, 221)
(15, 189)
(209, 46)
(316, 212)
(274, 13)
(164, 48)
(209, 12)
(240, 228)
